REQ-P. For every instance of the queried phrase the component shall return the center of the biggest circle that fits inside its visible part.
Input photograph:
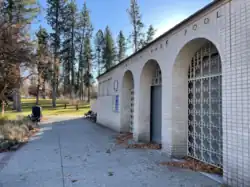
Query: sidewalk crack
(60, 150)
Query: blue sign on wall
(116, 103)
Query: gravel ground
(78, 153)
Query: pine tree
(54, 17)
(87, 58)
(150, 34)
(84, 27)
(121, 43)
(21, 12)
(99, 42)
(73, 15)
(68, 49)
(65, 58)
(137, 35)
(42, 59)
(109, 53)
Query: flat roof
(164, 34)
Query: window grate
(156, 79)
(131, 126)
(205, 106)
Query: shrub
(14, 130)
(3, 120)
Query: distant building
(189, 90)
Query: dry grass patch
(127, 140)
(123, 138)
(14, 133)
(195, 165)
(145, 146)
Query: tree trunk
(82, 90)
(37, 91)
(84, 93)
(88, 94)
(79, 92)
(54, 87)
(43, 90)
(79, 84)
(18, 102)
(2, 107)
(82, 87)
(37, 95)
(54, 96)
(57, 84)
(72, 57)
(54, 91)
(70, 86)
(14, 95)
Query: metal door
(156, 114)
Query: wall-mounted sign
(115, 103)
(115, 84)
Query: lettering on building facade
(195, 27)
(205, 21)
(218, 14)
(166, 42)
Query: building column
(174, 112)
(141, 130)
(167, 113)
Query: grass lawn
(47, 109)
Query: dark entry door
(156, 114)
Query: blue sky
(163, 14)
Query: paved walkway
(79, 153)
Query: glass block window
(205, 106)
(115, 103)
(156, 79)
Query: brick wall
(228, 29)
(236, 94)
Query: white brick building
(189, 90)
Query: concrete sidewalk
(79, 153)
